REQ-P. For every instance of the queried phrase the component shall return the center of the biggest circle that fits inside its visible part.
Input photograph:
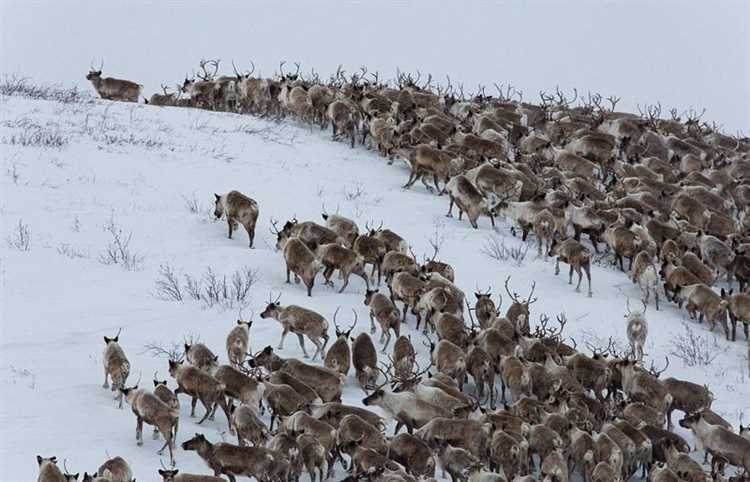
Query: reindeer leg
(580, 277)
(230, 223)
(302, 344)
(557, 266)
(283, 337)
(208, 407)
(193, 402)
(139, 431)
(106, 378)
(450, 207)
(318, 348)
(588, 276)
(570, 275)
(346, 282)
(287, 274)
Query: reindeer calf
(239, 209)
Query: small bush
(692, 349)
(118, 250)
(71, 252)
(20, 238)
(211, 289)
(15, 85)
(495, 248)
(38, 136)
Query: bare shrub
(20, 238)
(495, 248)
(72, 252)
(693, 349)
(211, 289)
(355, 192)
(173, 352)
(118, 250)
(15, 85)
(40, 136)
(23, 374)
(168, 284)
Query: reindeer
(468, 199)
(703, 301)
(482, 369)
(233, 461)
(404, 357)
(426, 160)
(283, 401)
(163, 393)
(396, 262)
(327, 383)
(458, 462)
(116, 365)
(345, 228)
(372, 251)
(518, 312)
(577, 256)
(544, 226)
(201, 357)
(408, 289)
(48, 470)
(148, 408)
(675, 277)
(199, 385)
(115, 469)
(238, 342)
(165, 99)
(239, 386)
(336, 257)
(637, 330)
(114, 89)
(302, 423)
(385, 312)
(405, 407)
(301, 261)
(413, 454)
(739, 310)
(310, 233)
(687, 397)
(301, 322)
(239, 209)
(313, 456)
(719, 440)
(450, 360)
(644, 273)
(365, 361)
(485, 308)
(343, 120)
(339, 355)
(508, 453)
(176, 476)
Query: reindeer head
(94, 75)
(345, 333)
(690, 420)
(218, 206)
(197, 443)
(375, 398)
(168, 475)
(108, 340)
(41, 460)
(158, 382)
(272, 308)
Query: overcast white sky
(682, 53)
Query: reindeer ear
(217, 196)
(106, 340)
(39, 459)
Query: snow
(136, 164)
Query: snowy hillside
(74, 173)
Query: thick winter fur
(116, 366)
(301, 322)
(301, 261)
(238, 342)
(114, 89)
(336, 257)
(199, 385)
(577, 256)
(238, 209)
(385, 313)
(151, 410)
(469, 200)
(233, 461)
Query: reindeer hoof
(155, 435)
(139, 443)
(106, 385)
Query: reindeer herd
(500, 397)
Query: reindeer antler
(656, 372)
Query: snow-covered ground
(138, 166)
